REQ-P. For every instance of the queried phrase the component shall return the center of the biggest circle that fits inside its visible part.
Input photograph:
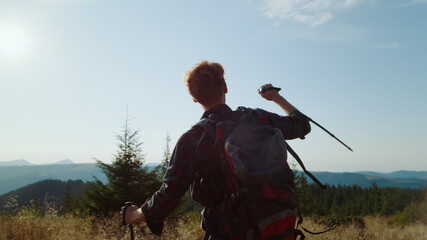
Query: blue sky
(70, 68)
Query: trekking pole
(124, 223)
(332, 135)
(262, 90)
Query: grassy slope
(27, 226)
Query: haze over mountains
(19, 173)
(23, 162)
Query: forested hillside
(399, 179)
(14, 177)
(354, 200)
(53, 192)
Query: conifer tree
(128, 179)
(166, 157)
(303, 193)
(70, 202)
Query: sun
(14, 40)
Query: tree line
(341, 201)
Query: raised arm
(273, 95)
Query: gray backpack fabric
(254, 151)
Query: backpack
(260, 201)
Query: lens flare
(14, 41)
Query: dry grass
(27, 226)
(374, 228)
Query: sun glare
(13, 41)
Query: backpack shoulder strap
(208, 125)
(250, 114)
(209, 129)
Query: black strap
(295, 155)
(317, 233)
(299, 232)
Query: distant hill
(14, 177)
(55, 190)
(400, 174)
(19, 162)
(65, 161)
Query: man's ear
(194, 100)
(225, 88)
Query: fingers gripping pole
(263, 89)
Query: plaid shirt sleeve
(296, 125)
(178, 178)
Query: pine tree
(303, 193)
(166, 157)
(68, 204)
(128, 179)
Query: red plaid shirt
(195, 163)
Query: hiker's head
(206, 83)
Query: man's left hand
(133, 215)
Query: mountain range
(19, 173)
(399, 179)
(399, 174)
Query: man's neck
(209, 106)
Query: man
(195, 162)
